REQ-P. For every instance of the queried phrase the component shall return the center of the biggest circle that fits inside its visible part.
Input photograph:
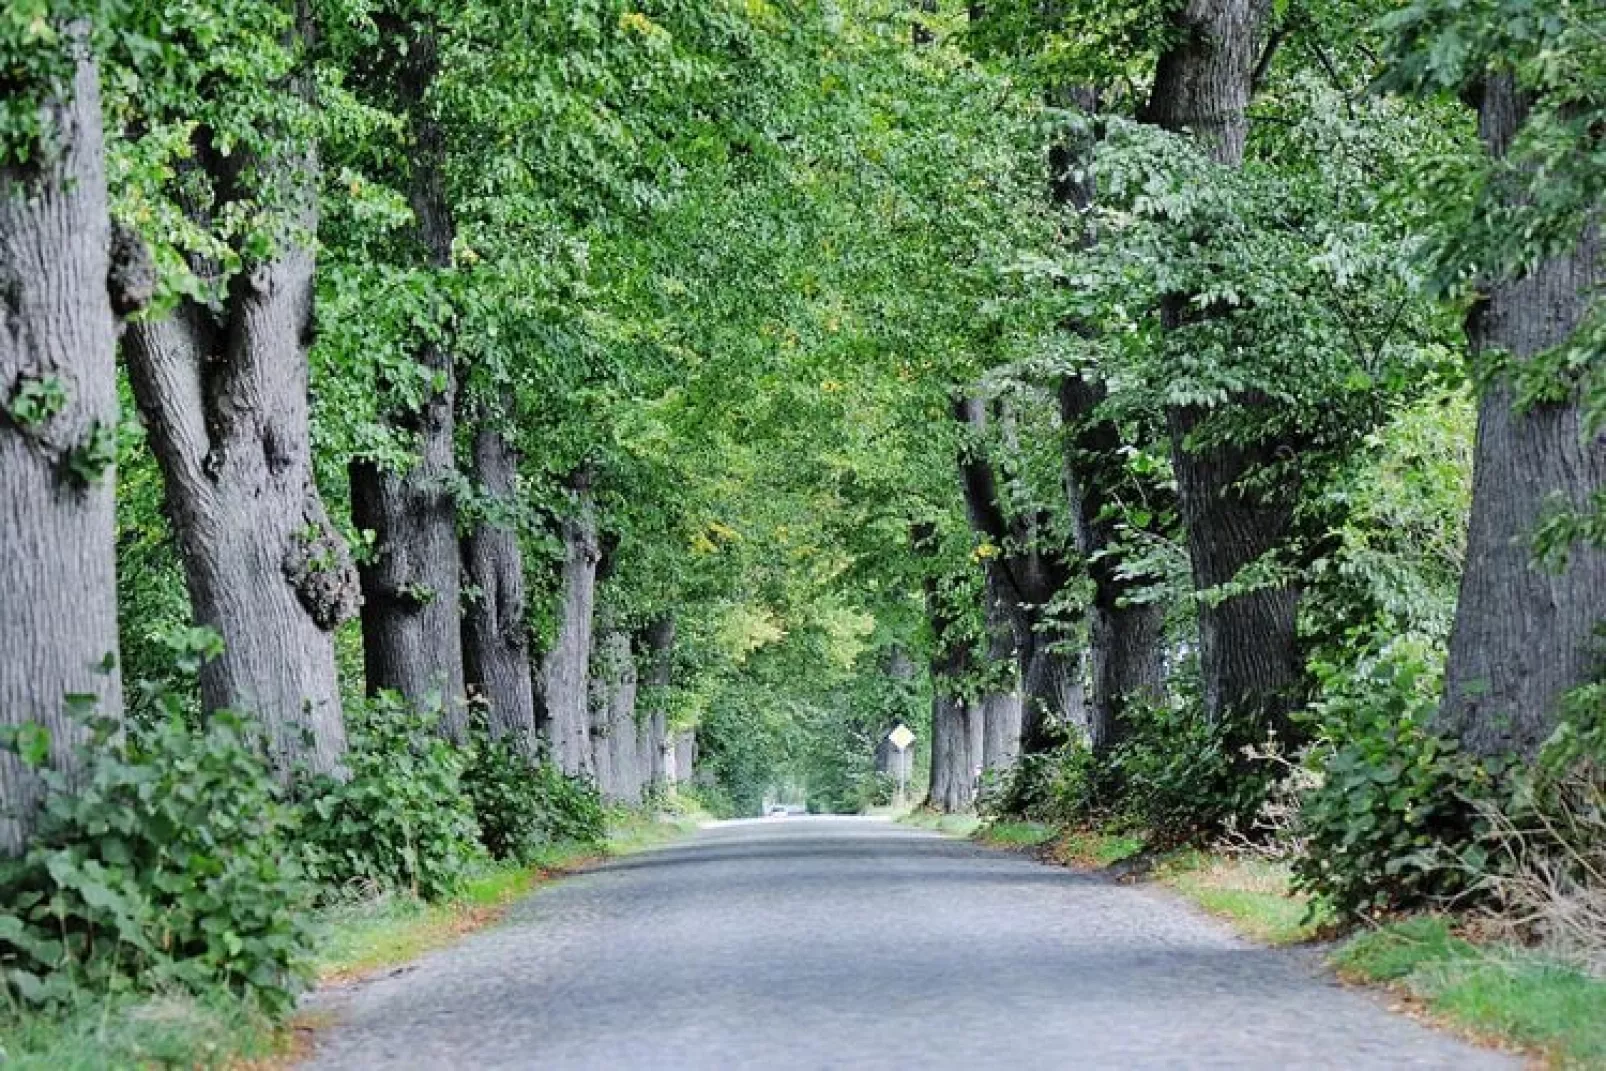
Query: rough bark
(684, 757)
(613, 716)
(1022, 579)
(411, 625)
(1525, 635)
(1125, 638)
(957, 724)
(223, 390)
(564, 669)
(496, 644)
(1248, 647)
(58, 613)
(657, 656)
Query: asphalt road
(849, 943)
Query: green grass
(1093, 848)
(102, 1033)
(956, 825)
(1253, 894)
(1015, 834)
(373, 935)
(1499, 993)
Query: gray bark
(564, 670)
(657, 652)
(224, 394)
(1125, 638)
(58, 612)
(1021, 581)
(411, 624)
(496, 646)
(1249, 657)
(1525, 635)
(956, 748)
(613, 716)
(684, 757)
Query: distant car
(779, 810)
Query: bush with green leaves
(169, 861)
(524, 803)
(1393, 823)
(1179, 777)
(402, 819)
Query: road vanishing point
(859, 943)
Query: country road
(836, 943)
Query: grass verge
(1495, 993)
(101, 1033)
(956, 825)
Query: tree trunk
(1001, 706)
(565, 668)
(1125, 638)
(658, 649)
(1526, 635)
(224, 394)
(685, 756)
(496, 646)
(411, 623)
(58, 611)
(956, 748)
(613, 716)
(1248, 646)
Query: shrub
(1392, 823)
(402, 820)
(170, 861)
(523, 803)
(1179, 777)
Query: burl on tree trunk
(496, 648)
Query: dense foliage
(535, 407)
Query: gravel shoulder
(857, 943)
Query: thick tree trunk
(1248, 646)
(1125, 638)
(58, 612)
(956, 748)
(657, 652)
(1022, 579)
(1001, 706)
(684, 757)
(613, 716)
(1526, 635)
(411, 625)
(496, 645)
(224, 394)
(565, 668)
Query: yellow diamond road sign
(901, 737)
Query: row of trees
(1270, 219)
(1103, 360)
(565, 362)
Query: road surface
(854, 943)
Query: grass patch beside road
(100, 1033)
(1254, 895)
(373, 935)
(956, 825)
(1495, 992)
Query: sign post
(901, 738)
